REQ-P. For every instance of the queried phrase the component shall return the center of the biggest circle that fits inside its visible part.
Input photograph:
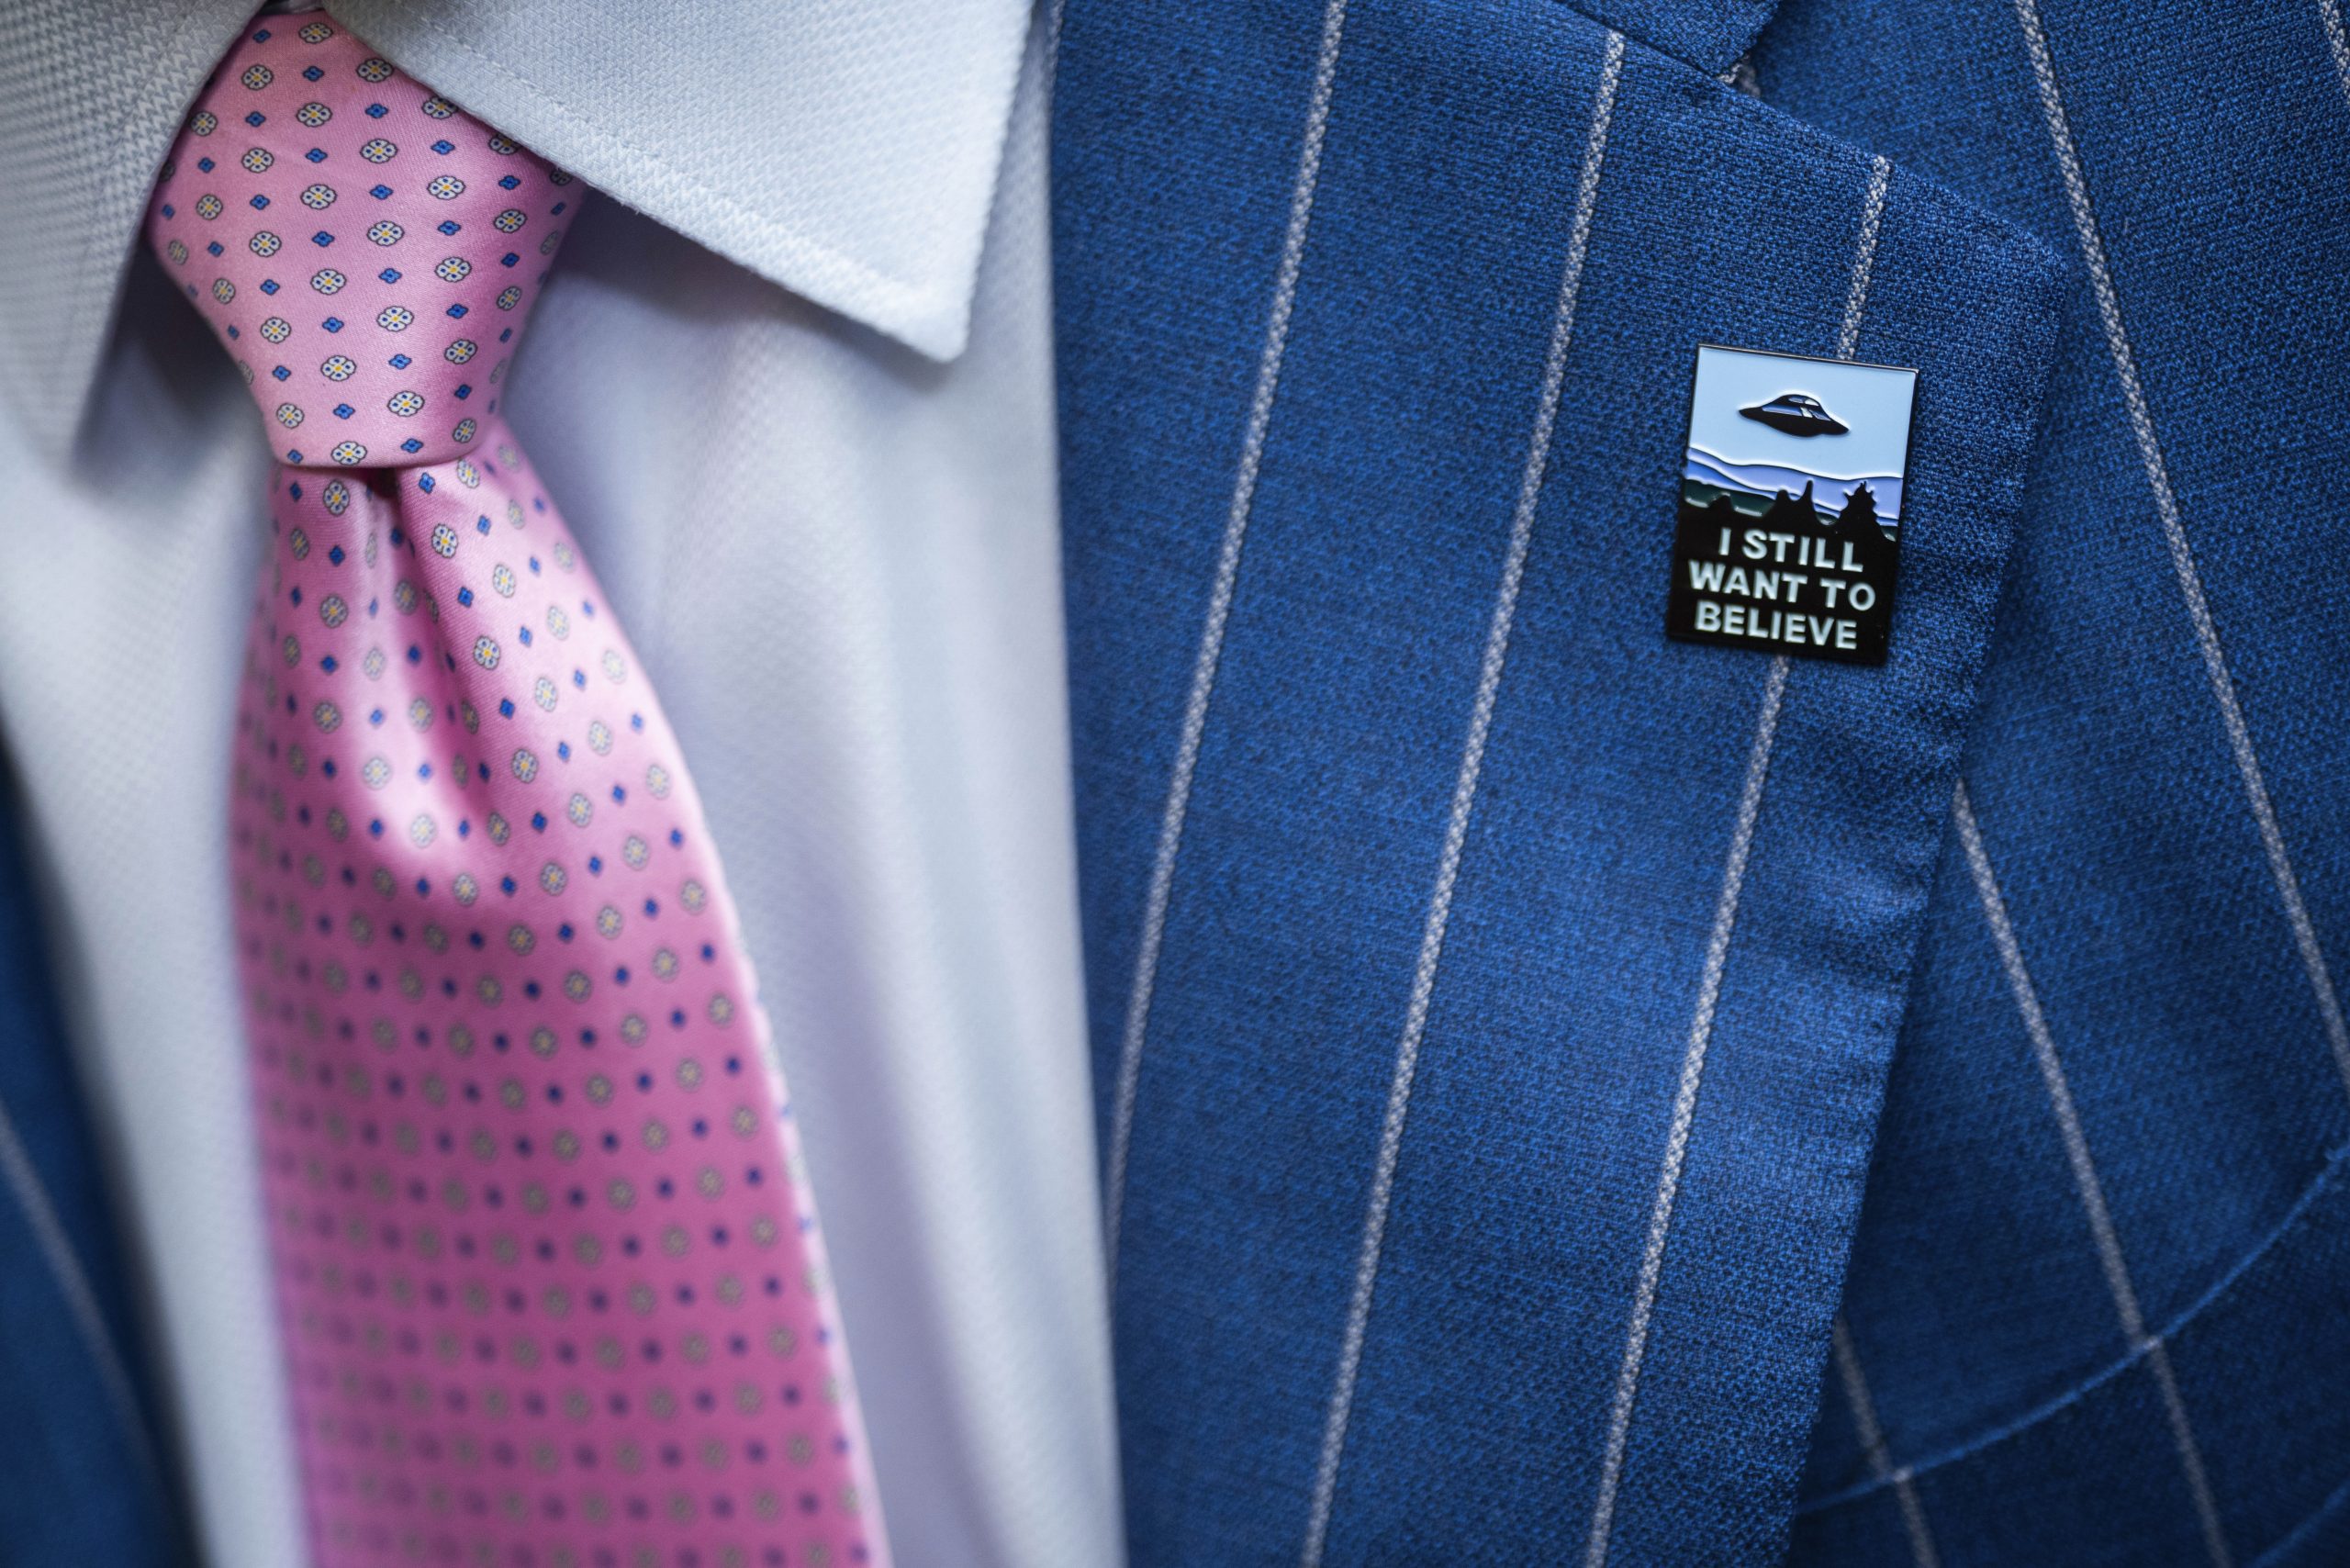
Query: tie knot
(366, 250)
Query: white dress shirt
(797, 406)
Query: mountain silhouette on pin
(1797, 413)
(1798, 512)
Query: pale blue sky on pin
(1875, 400)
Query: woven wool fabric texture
(2177, 1390)
(85, 1466)
(1525, 984)
(1395, 1279)
(646, 1356)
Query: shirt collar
(845, 152)
(90, 98)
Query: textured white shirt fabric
(798, 405)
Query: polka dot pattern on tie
(549, 1278)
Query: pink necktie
(547, 1268)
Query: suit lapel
(1490, 1000)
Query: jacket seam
(2327, 1177)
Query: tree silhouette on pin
(1860, 510)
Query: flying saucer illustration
(1797, 413)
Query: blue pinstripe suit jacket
(1573, 1097)
(83, 1476)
